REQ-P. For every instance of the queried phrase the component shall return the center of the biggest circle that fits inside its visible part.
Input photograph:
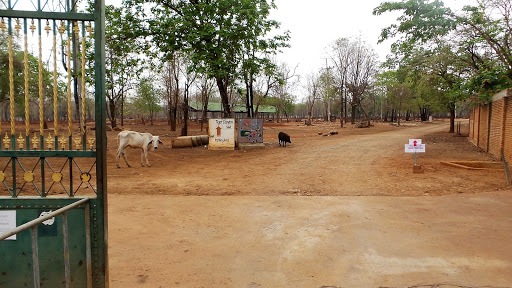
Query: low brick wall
(490, 125)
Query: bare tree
(327, 90)
(281, 90)
(312, 94)
(171, 77)
(269, 81)
(189, 77)
(341, 57)
(361, 72)
(206, 88)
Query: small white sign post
(415, 146)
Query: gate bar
(72, 16)
(67, 270)
(35, 257)
(88, 259)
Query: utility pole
(328, 89)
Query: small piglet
(283, 138)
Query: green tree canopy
(147, 101)
(19, 76)
(214, 34)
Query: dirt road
(354, 162)
(173, 225)
(283, 241)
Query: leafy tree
(486, 46)
(282, 99)
(19, 77)
(147, 99)
(122, 60)
(361, 72)
(327, 91)
(469, 51)
(214, 34)
(273, 82)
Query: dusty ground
(354, 162)
(166, 228)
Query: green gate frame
(13, 256)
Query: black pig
(283, 137)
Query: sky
(315, 25)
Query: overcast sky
(314, 25)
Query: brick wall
(483, 134)
(507, 139)
(474, 129)
(489, 126)
(496, 127)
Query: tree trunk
(169, 108)
(249, 94)
(326, 112)
(452, 117)
(353, 118)
(345, 107)
(74, 74)
(174, 108)
(112, 109)
(122, 109)
(223, 90)
(184, 130)
(423, 113)
(341, 112)
(203, 115)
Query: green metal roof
(217, 107)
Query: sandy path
(344, 164)
(258, 237)
(283, 241)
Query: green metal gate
(52, 53)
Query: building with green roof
(215, 110)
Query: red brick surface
(483, 135)
(490, 128)
(507, 143)
(495, 133)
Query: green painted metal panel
(16, 267)
(16, 256)
(47, 154)
(99, 206)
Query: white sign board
(8, 222)
(414, 142)
(415, 146)
(222, 134)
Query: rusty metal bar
(65, 236)
(35, 257)
(88, 258)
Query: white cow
(136, 140)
